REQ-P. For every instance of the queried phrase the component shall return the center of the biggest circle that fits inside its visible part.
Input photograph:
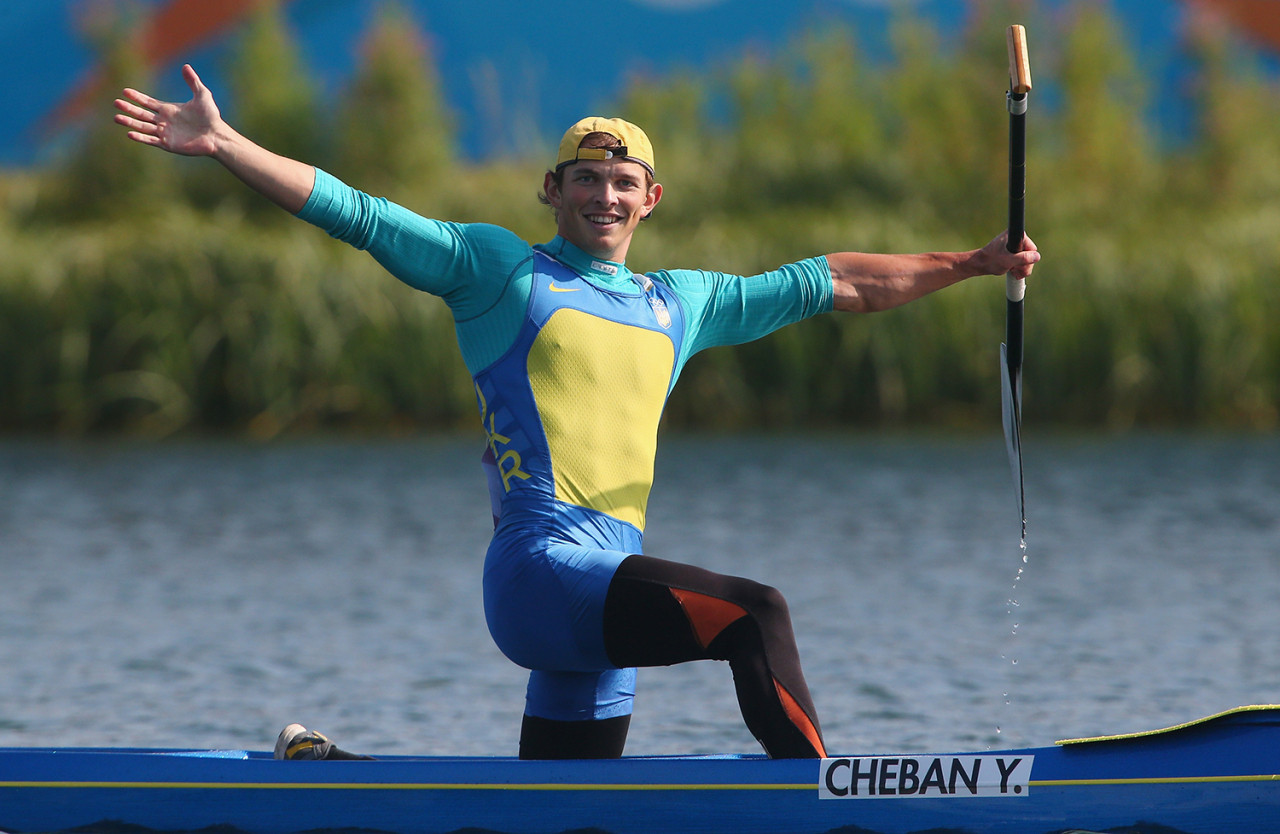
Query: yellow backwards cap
(635, 145)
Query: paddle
(1015, 288)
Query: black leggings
(658, 613)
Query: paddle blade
(1011, 402)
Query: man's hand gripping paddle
(1015, 288)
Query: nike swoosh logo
(555, 288)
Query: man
(573, 357)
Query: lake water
(208, 593)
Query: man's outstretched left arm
(868, 283)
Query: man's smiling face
(599, 203)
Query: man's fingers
(1027, 259)
(135, 124)
(193, 80)
(135, 112)
(144, 138)
(142, 99)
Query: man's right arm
(428, 255)
(481, 271)
(196, 128)
(285, 182)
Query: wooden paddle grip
(1019, 63)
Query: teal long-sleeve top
(484, 273)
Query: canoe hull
(1164, 809)
(1218, 775)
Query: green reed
(147, 294)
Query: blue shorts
(544, 603)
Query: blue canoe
(1218, 774)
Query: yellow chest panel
(600, 388)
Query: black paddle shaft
(1015, 288)
(1017, 216)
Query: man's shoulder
(681, 278)
(491, 243)
(805, 269)
(490, 233)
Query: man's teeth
(603, 220)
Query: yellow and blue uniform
(573, 359)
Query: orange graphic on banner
(174, 29)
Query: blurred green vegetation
(143, 293)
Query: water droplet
(1012, 605)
